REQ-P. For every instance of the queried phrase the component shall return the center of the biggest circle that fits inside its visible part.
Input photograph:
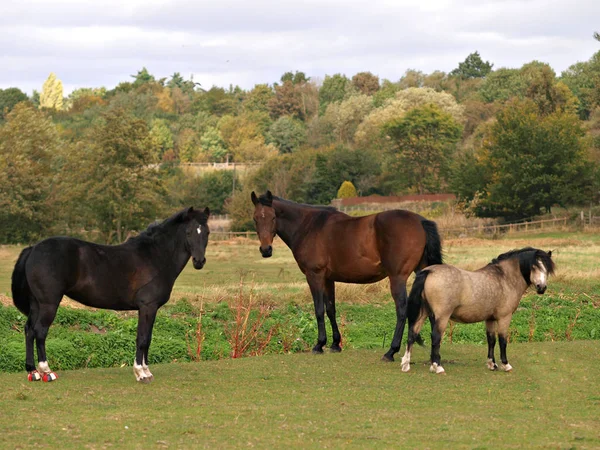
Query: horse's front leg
(490, 326)
(317, 284)
(398, 287)
(146, 318)
(503, 325)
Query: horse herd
(328, 246)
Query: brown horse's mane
(528, 258)
(263, 200)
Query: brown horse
(491, 294)
(331, 246)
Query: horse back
(96, 275)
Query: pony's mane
(528, 258)
(262, 199)
(157, 228)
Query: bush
(347, 190)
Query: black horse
(136, 275)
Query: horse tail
(21, 293)
(433, 244)
(415, 301)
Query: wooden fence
(493, 230)
(483, 230)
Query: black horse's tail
(20, 288)
(433, 244)
(415, 301)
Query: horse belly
(471, 314)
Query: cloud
(244, 43)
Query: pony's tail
(415, 301)
(21, 293)
(433, 244)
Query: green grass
(347, 400)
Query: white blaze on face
(199, 230)
(542, 274)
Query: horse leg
(330, 308)
(32, 373)
(318, 288)
(438, 326)
(413, 331)
(146, 318)
(491, 339)
(503, 325)
(46, 315)
(398, 287)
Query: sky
(223, 42)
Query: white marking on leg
(147, 369)
(138, 371)
(436, 369)
(43, 367)
(406, 361)
(491, 364)
(507, 367)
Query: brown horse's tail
(415, 301)
(21, 293)
(433, 244)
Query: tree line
(509, 142)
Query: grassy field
(347, 400)
(551, 400)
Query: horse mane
(528, 258)
(262, 199)
(157, 228)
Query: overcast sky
(222, 42)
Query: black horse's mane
(528, 258)
(158, 228)
(263, 200)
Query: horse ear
(269, 196)
(254, 198)
(207, 211)
(189, 212)
(550, 253)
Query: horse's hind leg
(32, 373)
(491, 339)
(398, 287)
(413, 331)
(438, 326)
(330, 308)
(46, 315)
(503, 325)
(317, 288)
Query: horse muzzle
(198, 264)
(266, 253)
(540, 289)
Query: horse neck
(512, 272)
(289, 220)
(169, 250)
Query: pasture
(551, 399)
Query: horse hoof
(387, 358)
(491, 365)
(406, 367)
(507, 367)
(49, 377)
(437, 369)
(335, 349)
(317, 351)
(34, 376)
(145, 380)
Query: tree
(29, 143)
(295, 78)
(345, 117)
(257, 100)
(9, 98)
(347, 190)
(142, 77)
(533, 161)
(425, 139)
(502, 84)
(366, 83)
(287, 101)
(287, 134)
(211, 189)
(109, 183)
(333, 90)
(52, 93)
(472, 67)
(213, 145)
(161, 139)
(583, 79)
